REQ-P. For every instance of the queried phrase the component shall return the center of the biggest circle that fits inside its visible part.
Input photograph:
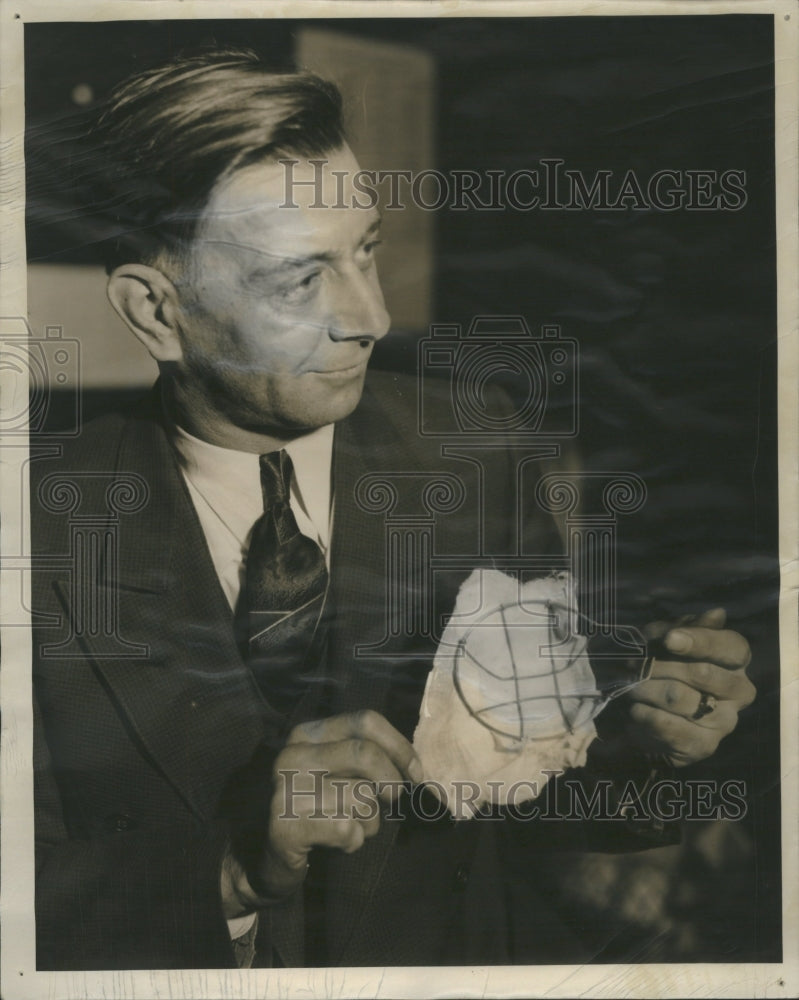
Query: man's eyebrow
(283, 262)
(280, 260)
(373, 228)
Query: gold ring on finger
(707, 704)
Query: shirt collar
(230, 480)
(312, 458)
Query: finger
(657, 629)
(721, 646)
(352, 758)
(346, 834)
(362, 805)
(289, 841)
(342, 815)
(708, 678)
(365, 725)
(714, 618)
(345, 799)
(661, 732)
(679, 699)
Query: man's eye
(367, 252)
(302, 286)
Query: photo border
(20, 980)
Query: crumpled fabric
(511, 695)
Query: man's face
(281, 306)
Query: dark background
(675, 316)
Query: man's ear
(148, 303)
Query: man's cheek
(284, 360)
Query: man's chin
(325, 408)
(338, 395)
(333, 414)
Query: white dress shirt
(225, 487)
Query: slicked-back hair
(168, 135)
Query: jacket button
(120, 823)
(461, 879)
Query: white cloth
(225, 487)
(511, 696)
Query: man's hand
(327, 781)
(696, 689)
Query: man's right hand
(327, 781)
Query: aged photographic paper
(399, 499)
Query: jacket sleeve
(595, 811)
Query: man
(200, 783)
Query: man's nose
(358, 310)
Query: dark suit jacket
(136, 739)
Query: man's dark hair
(168, 135)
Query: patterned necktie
(284, 592)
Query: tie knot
(276, 471)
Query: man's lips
(347, 370)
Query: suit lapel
(358, 579)
(190, 700)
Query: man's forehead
(291, 183)
(303, 199)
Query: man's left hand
(696, 688)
